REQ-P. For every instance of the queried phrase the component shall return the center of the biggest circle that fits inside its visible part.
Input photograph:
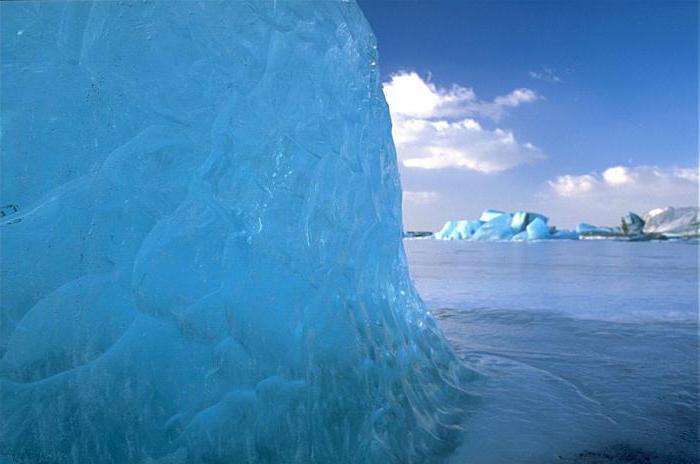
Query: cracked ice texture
(205, 262)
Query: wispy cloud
(436, 128)
(409, 95)
(546, 75)
(420, 198)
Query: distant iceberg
(672, 221)
(658, 224)
(494, 225)
(597, 232)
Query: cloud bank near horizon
(632, 181)
(610, 193)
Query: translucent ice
(490, 214)
(522, 218)
(537, 230)
(201, 244)
(458, 230)
(446, 232)
(466, 228)
(497, 228)
(519, 221)
(520, 236)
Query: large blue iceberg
(201, 242)
(495, 225)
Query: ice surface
(519, 221)
(497, 228)
(632, 224)
(447, 232)
(458, 230)
(520, 236)
(497, 225)
(489, 214)
(670, 220)
(467, 228)
(202, 255)
(522, 218)
(537, 230)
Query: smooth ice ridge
(202, 255)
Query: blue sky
(580, 110)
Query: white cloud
(617, 175)
(463, 144)
(420, 198)
(568, 185)
(602, 197)
(515, 98)
(621, 181)
(688, 174)
(410, 96)
(435, 128)
(546, 75)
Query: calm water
(588, 351)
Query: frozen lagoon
(588, 350)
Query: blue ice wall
(201, 242)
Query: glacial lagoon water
(587, 351)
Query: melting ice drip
(201, 253)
